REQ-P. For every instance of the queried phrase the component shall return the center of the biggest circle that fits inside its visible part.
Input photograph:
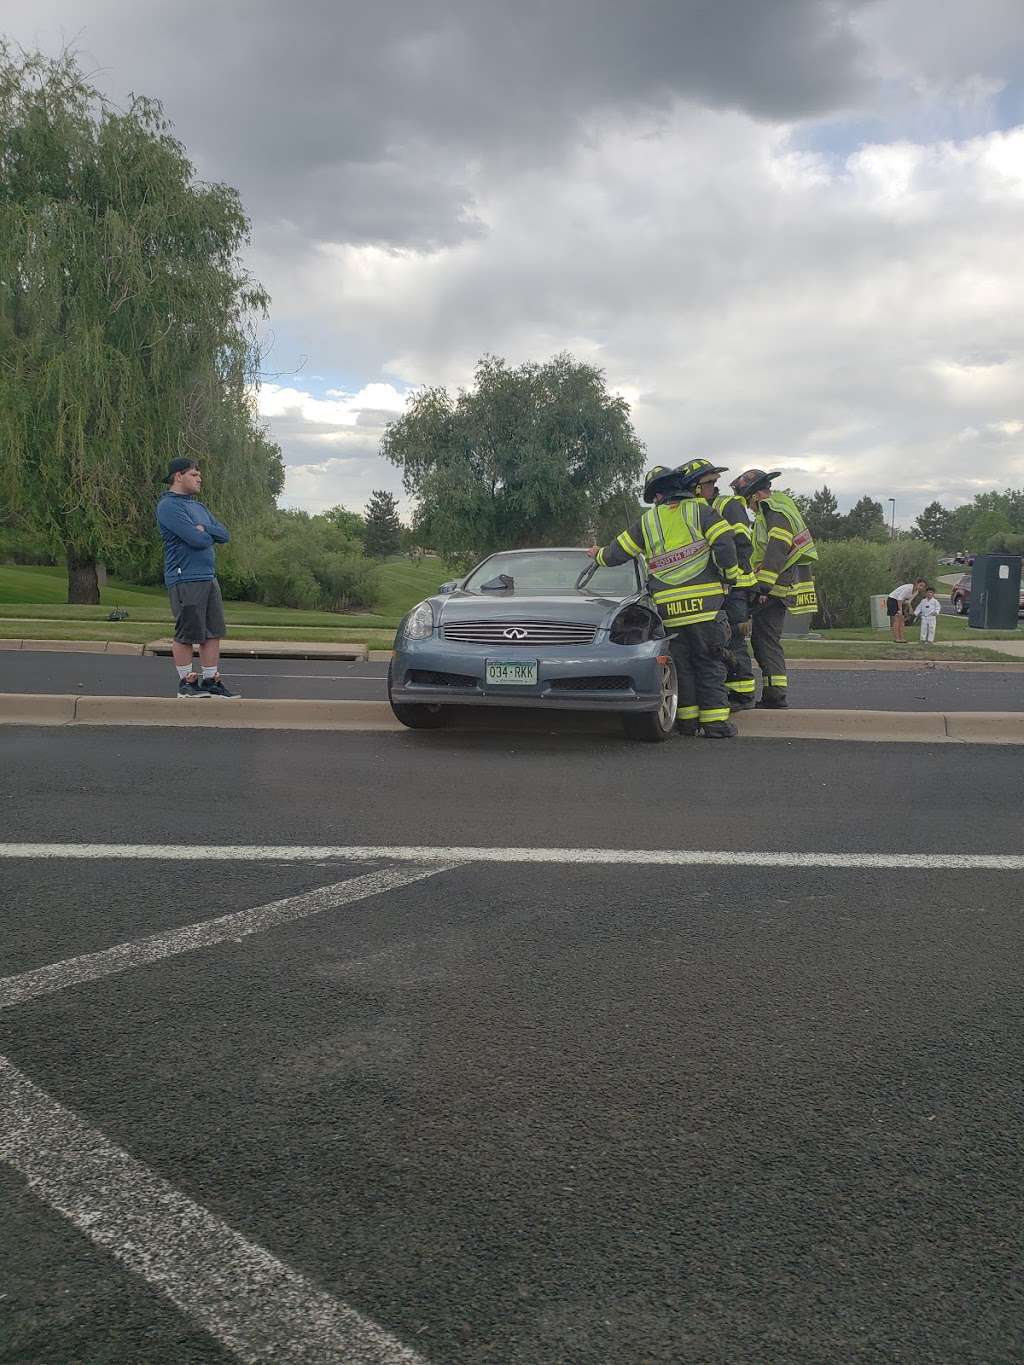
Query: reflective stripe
(741, 685)
(717, 713)
(777, 680)
(688, 712)
(627, 543)
(673, 557)
(776, 533)
(720, 528)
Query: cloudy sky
(789, 231)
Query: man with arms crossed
(190, 532)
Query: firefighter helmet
(656, 481)
(692, 473)
(752, 481)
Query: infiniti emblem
(514, 633)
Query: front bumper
(637, 664)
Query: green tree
(865, 521)
(934, 525)
(822, 514)
(527, 457)
(350, 524)
(127, 323)
(984, 526)
(383, 525)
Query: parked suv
(960, 597)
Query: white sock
(209, 672)
(183, 670)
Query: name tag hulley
(674, 557)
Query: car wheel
(653, 727)
(418, 715)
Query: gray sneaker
(189, 689)
(214, 687)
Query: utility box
(879, 612)
(795, 626)
(995, 592)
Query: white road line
(14, 990)
(433, 854)
(249, 1301)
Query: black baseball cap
(179, 466)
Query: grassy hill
(40, 593)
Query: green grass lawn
(39, 593)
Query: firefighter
(783, 561)
(739, 681)
(690, 554)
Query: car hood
(471, 606)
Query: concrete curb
(277, 649)
(899, 727)
(75, 646)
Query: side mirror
(450, 586)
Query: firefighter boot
(741, 703)
(686, 727)
(774, 699)
(719, 729)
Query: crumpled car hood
(572, 607)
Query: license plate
(508, 673)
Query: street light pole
(892, 524)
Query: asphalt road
(577, 1113)
(923, 689)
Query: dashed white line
(253, 1304)
(137, 952)
(434, 854)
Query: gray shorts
(198, 612)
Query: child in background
(928, 610)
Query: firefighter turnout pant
(766, 638)
(739, 679)
(700, 656)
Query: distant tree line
(990, 522)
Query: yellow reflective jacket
(783, 554)
(734, 510)
(690, 554)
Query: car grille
(602, 682)
(428, 677)
(526, 634)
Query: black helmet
(752, 481)
(692, 473)
(656, 481)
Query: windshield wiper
(503, 583)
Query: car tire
(418, 715)
(654, 727)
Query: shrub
(307, 563)
(22, 547)
(849, 573)
(1005, 543)
(912, 559)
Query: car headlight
(634, 625)
(420, 622)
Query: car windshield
(536, 572)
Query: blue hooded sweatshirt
(188, 552)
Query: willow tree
(127, 321)
(530, 456)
